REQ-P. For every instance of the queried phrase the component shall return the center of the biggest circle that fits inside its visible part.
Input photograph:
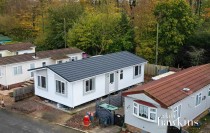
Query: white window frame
(209, 92)
(17, 70)
(59, 61)
(44, 63)
(149, 112)
(39, 82)
(89, 89)
(138, 71)
(32, 65)
(62, 87)
(135, 108)
(73, 58)
(198, 99)
(177, 112)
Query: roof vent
(186, 89)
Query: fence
(115, 100)
(23, 93)
(150, 69)
(108, 117)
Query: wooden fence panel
(23, 93)
(150, 69)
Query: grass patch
(205, 121)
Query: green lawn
(205, 121)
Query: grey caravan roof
(81, 69)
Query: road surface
(15, 123)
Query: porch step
(30, 81)
(24, 85)
(27, 83)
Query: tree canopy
(177, 23)
(105, 26)
(60, 20)
(102, 31)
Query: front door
(111, 82)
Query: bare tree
(196, 55)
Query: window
(60, 87)
(0, 55)
(144, 112)
(198, 99)
(111, 78)
(209, 92)
(152, 114)
(43, 64)
(177, 112)
(121, 74)
(137, 70)
(73, 58)
(59, 61)
(17, 70)
(31, 67)
(89, 85)
(135, 108)
(41, 81)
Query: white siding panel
(26, 51)
(188, 109)
(78, 89)
(128, 79)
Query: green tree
(145, 29)
(177, 23)
(54, 35)
(102, 31)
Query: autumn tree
(145, 29)
(59, 19)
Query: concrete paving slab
(109, 129)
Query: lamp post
(156, 49)
(64, 28)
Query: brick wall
(11, 86)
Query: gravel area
(28, 106)
(77, 120)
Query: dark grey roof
(76, 70)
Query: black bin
(118, 120)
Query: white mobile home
(74, 83)
(169, 103)
(14, 69)
(16, 49)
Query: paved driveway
(15, 123)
